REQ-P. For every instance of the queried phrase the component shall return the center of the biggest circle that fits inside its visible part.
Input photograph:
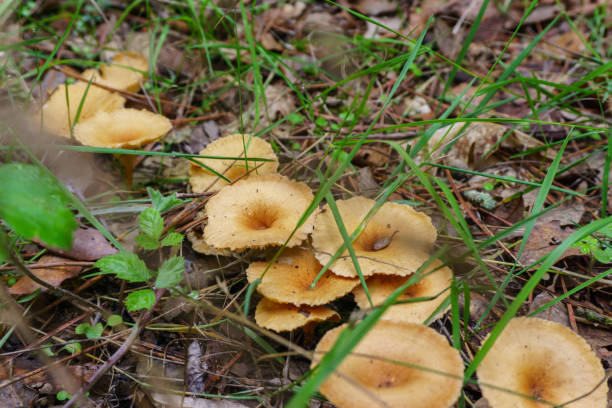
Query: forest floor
(492, 118)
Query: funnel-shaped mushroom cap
(231, 146)
(384, 369)
(61, 109)
(122, 129)
(432, 284)
(259, 211)
(199, 245)
(546, 360)
(396, 240)
(282, 317)
(288, 280)
(125, 73)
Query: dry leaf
(280, 101)
(473, 147)
(89, 245)
(371, 7)
(545, 238)
(52, 275)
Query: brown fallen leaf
(53, 275)
(475, 145)
(371, 7)
(544, 238)
(89, 245)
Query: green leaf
(72, 348)
(82, 328)
(295, 118)
(170, 273)
(34, 206)
(140, 299)
(95, 331)
(161, 203)
(47, 349)
(114, 320)
(146, 241)
(63, 395)
(172, 239)
(125, 266)
(321, 121)
(151, 222)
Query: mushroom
(231, 146)
(256, 212)
(394, 365)
(436, 279)
(288, 280)
(282, 317)
(126, 71)
(123, 129)
(396, 240)
(545, 360)
(60, 111)
(199, 245)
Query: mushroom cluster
(400, 361)
(94, 114)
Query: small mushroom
(282, 317)
(126, 71)
(123, 129)
(394, 365)
(545, 360)
(436, 279)
(231, 146)
(59, 113)
(288, 280)
(396, 240)
(260, 211)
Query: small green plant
(598, 245)
(128, 266)
(94, 332)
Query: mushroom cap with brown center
(396, 240)
(386, 369)
(282, 317)
(60, 110)
(432, 284)
(257, 212)
(544, 359)
(126, 71)
(122, 129)
(288, 280)
(231, 146)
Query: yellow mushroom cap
(125, 72)
(122, 129)
(288, 280)
(383, 370)
(396, 240)
(67, 99)
(545, 359)
(259, 211)
(282, 317)
(432, 284)
(231, 146)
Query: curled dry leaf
(473, 147)
(88, 245)
(544, 238)
(52, 275)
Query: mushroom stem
(128, 161)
